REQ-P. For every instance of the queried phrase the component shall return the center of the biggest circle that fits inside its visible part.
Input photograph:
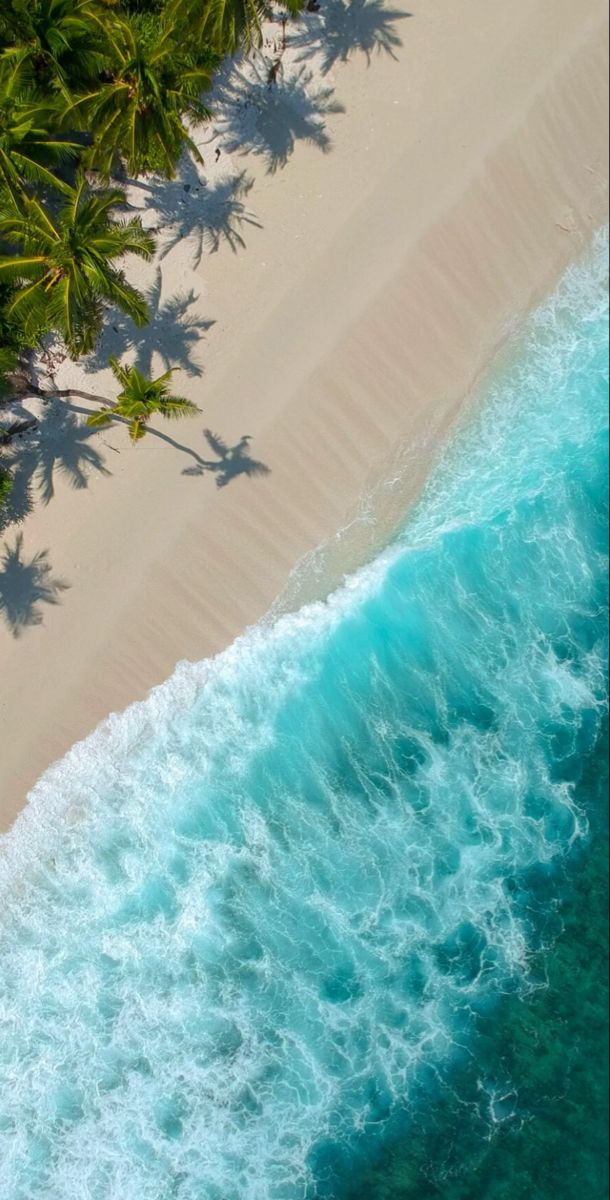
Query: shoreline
(399, 297)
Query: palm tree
(66, 264)
(140, 399)
(139, 113)
(224, 24)
(56, 43)
(29, 151)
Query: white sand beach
(330, 285)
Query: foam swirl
(243, 916)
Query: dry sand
(356, 294)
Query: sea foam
(246, 919)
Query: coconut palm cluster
(91, 91)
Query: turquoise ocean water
(322, 918)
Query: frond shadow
(212, 214)
(268, 119)
(173, 333)
(25, 585)
(230, 461)
(61, 445)
(152, 432)
(354, 26)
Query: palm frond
(137, 430)
(128, 298)
(120, 373)
(35, 172)
(101, 419)
(131, 238)
(29, 307)
(17, 268)
(176, 406)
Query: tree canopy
(140, 399)
(64, 264)
(91, 90)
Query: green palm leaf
(223, 24)
(20, 267)
(139, 112)
(31, 149)
(57, 44)
(120, 373)
(137, 430)
(67, 263)
(176, 406)
(101, 419)
(140, 399)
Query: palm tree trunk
(23, 385)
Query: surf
(249, 921)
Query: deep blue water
(253, 928)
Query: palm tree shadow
(256, 117)
(365, 26)
(20, 501)
(230, 462)
(151, 431)
(25, 585)
(174, 332)
(60, 444)
(207, 215)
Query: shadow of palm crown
(60, 444)
(230, 461)
(361, 26)
(26, 584)
(174, 334)
(267, 120)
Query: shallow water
(266, 934)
